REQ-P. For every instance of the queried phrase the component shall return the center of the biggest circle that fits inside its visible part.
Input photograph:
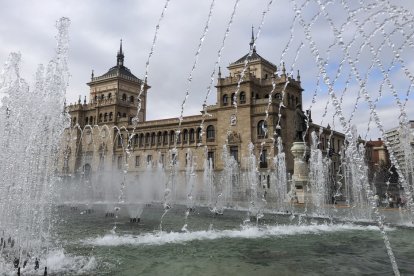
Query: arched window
(192, 135)
(141, 139)
(210, 133)
(105, 117)
(257, 96)
(110, 116)
(109, 95)
(278, 96)
(74, 121)
(232, 98)
(86, 120)
(124, 97)
(96, 98)
(165, 138)
(131, 99)
(172, 137)
(179, 138)
(242, 97)
(100, 117)
(261, 129)
(153, 138)
(225, 100)
(91, 120)
(147, 137)
(124, 115)
(185, 136)
(102, 96)
(159, 138)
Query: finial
(252, 47)
(283, 69)
(79, 101)
(120, 56)
(298, 77)
(219, 72)
(92, 75)
(84, 100)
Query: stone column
(300, 170)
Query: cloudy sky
(97, 26)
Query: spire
(252, 47)
(120, 56)
(298, 77)
(219, 72)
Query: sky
(378, 72)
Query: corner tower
(115, 94)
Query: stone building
(103, 134)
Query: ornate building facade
(103, 135)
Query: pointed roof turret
(120, 56)
(252, 47)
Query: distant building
(401, 141)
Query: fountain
(237, 178)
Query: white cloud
(97, 26)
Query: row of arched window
(124, 97)
(187, 136)
(229, 101)
(226, 100)
(292, 100)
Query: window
(91, 120)
(149, 160)
(124, 115)
(141, 139)
(147, 138)
(225, 100)
(109, 95)
(131, 99)
(234, 152)
(159, 138)
(105, 117)
(110, 116)
(153, 138)
(261, 129)
(165, 138)
(100, 117)
(172, 137)
(210, 133)
(278, 96)
(86, 120)
(124, 97)
(179, 138)
(210, 159)
(263, 159)
(192, 135)
(74, 120)
(232, 98)
(242, 97)
(137, 161)
(102, 96)
(136, 139)
(185, 136)
(173, 159)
